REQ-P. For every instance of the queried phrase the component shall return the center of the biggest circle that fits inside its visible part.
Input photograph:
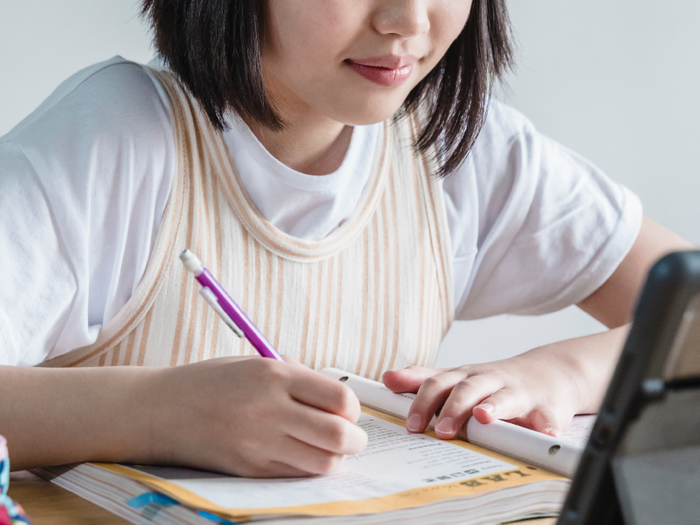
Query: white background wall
(619, 82)
(616, 81)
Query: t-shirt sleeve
(37, 282)
(83, 184)
(535, 227)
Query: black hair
(215, 48)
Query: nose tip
(405, 20)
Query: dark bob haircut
(215, 47)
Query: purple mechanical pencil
(214, 294)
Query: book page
(397, 470)
(579, 430)
(394, 461)
(559, 455)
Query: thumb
(408, 379)
(545, 421)
(503, 404)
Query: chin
(367, 115)
(365, 122)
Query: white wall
(617, 81)
(42, 42)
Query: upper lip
(387, 61)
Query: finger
(431, 395)
(315, 390)
(546, 421)
(408, 379)
(464, 396)
(323, 430)
(503, 404)
(308, 458)
(273, 469)
(521, 422)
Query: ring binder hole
(554, 449)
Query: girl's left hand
(540, 389)
(545, 387)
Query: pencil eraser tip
(191, 262)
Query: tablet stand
(642, 463)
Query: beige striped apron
(374, 295)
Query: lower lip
(383, 76)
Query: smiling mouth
(384, 76)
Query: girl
(296, 147)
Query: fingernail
(486, 407)
(445, 426)
(414, 423)
(552, 432)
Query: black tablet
(642, 462)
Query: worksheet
(394, 461)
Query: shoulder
(499, 172)
(506, 120)
(502, 153)
(111, 99)
(100, 149)
(506, 145)
(538, 226)
(106, 124)
(95, 163)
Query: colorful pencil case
(11, 513)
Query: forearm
(246, 416)
(588, 361)
(58, 416)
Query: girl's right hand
(252, 417)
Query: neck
(314, 145)
(310, 142)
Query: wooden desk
(49, 504)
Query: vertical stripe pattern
(374, 295)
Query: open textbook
(558, 455)
(399, 477)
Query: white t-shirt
(84, 180)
